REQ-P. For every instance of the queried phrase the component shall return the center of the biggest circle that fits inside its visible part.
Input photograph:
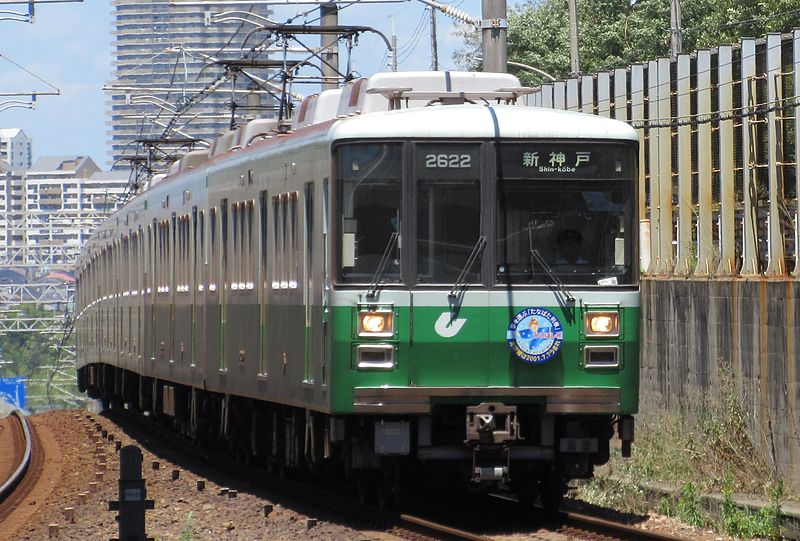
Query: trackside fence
(718, 185)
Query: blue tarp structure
(12, 392)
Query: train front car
(484, 299)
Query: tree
(27, 352)
(616, 33)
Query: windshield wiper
(553, 276)
(372, 290)
(477, 250)
(536, 257)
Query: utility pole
(434, 46)
(675, 30)
(574, 58)
(394, 46)
(329, 16)
(494, 29)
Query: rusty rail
(11, 483)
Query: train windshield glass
(448, 211)
(571, 203)
(370, 203)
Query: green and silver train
(417, 274)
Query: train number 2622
(448, 161)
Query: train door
(212, 297)
(450, 300)
(276, 284)
(308, 283)
(202, 283)
(152, 288)
(223, 282)
(263, 284)
(326, 285)
(173, 250)
(285, 318)
(194, 280)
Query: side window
(263, 203)
(249, 246)
(223, 219)
(194, 278)
(236, 255)
(172, 243)
(276, 238)
(213, 264)
(293, 241)
(285, 259)
(309, 215)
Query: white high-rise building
(164, 60)
(15, 149)
(63, 200)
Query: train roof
(409, 104)
(481, 122)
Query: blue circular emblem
(535, 335)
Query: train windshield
(370, 200)
(448, 211)
(570, 203)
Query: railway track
(20, 471)
(312, 500)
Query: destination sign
(548, 160)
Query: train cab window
(369, 179)
(448, 211)
(571, 205)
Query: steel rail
(11, 483)
(616, 529)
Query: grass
(188, 532)
(708, 452)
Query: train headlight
(373, 323)
(376, 323)
(601, 324)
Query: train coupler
(492, 423)
(490, 427)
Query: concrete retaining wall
(699, 336)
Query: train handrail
(10, 484)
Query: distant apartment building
(52, 209)
(12, 227)
(164, 55)
(15, 149)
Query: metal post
(675, 30)
(796, 86)
(494, 25)
(329, 16)
(132, 496)
(665, 263)
(434, 45)
(777, 263)
(394, 46)
(727, 236)
(705, 191)
(750, 257)
(685, 243)
(574, 58)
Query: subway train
(415, 274)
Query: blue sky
(69, 46)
